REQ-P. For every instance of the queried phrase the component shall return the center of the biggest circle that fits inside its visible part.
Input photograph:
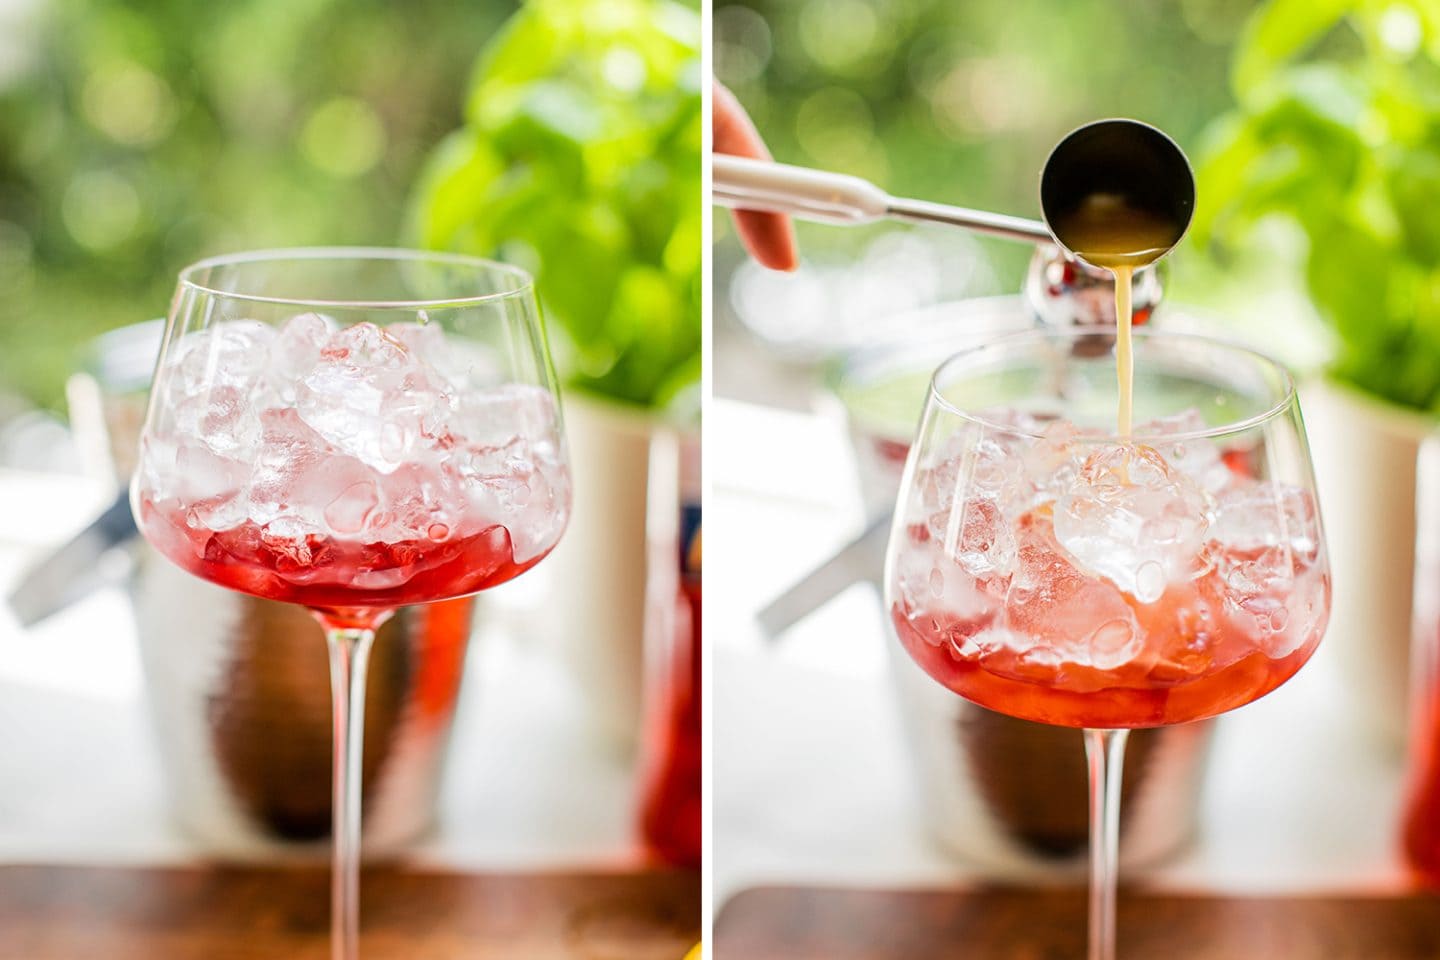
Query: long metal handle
(72, 570)
(859, 560)
(745, 184)
(980, 221)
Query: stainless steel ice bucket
(239, 687)
(1010, 796)
(239, 690)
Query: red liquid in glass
(1198, 660)
(327, 573)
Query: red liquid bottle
(1420, 819)
(670, 809)
(1420, 826)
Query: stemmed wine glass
(353, 430)
(1042, 567)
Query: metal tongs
(837, 198)
(1120, 157)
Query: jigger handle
(744, 184)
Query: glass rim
(1041, 335)
(524, 283)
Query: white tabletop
(812, 778)
(80, 782)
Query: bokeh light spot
(1401, 31)
(101, 209)
(837, 34)
(742, 44)
(988, 95)
(343, 137)
(128, 103)
(624, 69)
(836, 128)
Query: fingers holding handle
(769, 237)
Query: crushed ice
(381, 434)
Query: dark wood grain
(49, 913)
(842, 924)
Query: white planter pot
(595, 612)
(1365, 465)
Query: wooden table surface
(813, 923)
(50, 913)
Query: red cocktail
(353, 430)
(1044, 566)
(1197, 651)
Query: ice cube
(1066, 615)
(989, 468)
(228, 422)
(352, 509)
(295, 543)
(460, 363)
(202, 474)
(1196, 457)
(1186, 634)
(976, 535)
(224, 512)
(427, 340)
(211, 386)
(297, 348)
(1263, 594)
(371, 398)
(341, 401)
(1308, 610)
(1250, 573)
(942, 601)
(1269, 564)
(937, 481)
(497, 416)
(299, 474)
(1254, 515)
(997, 641)
(922, 577)
(1052, 463)
(1132, 519)
(418, 496)
(366, 346)
(971, 463)
(538, 522)
(227, 353)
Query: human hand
(769, 237)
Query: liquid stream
(1110, 232)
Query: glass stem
(349, 655)
(1105, 756)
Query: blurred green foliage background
(134, 138)
(581, 159)
(1330, 164)
(137, 137)
(1314, 126)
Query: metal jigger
(1123, 158)
(1126, 159)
